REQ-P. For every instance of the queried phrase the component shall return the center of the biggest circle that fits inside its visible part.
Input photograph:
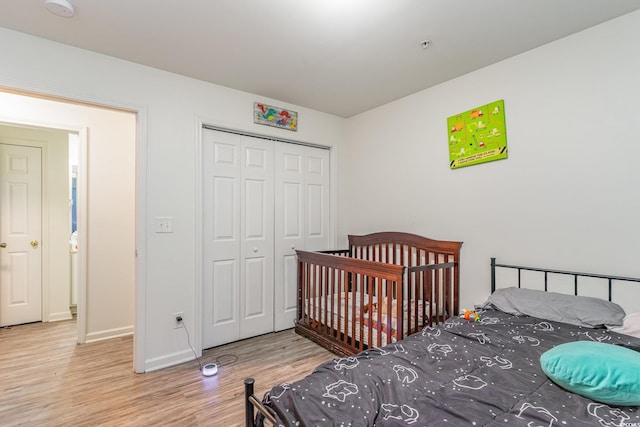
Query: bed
(507, 368)
(385, 287)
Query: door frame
(139, 324)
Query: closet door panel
(291, 210)
(223, 301)
(221, 238)
(257, 248)
(290, 276)
(317, 189)
(289, 230)
(257, 287)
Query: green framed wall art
(477, 136)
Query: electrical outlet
(164, 224)
(178, 323)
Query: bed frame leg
(248, 406)
(493, 275)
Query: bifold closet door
(238, 241)
(302, 219)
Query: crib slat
(331, 298)
(341, 286)
(351, 318)
(400, 298)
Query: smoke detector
(62, 8)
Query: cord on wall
(179, 319)
(209, 369)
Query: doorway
(107, 222)
(34, 225)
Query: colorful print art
(477, 136)
(273, 116)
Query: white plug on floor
(210, 369)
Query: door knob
(34, 243)
(255, 249)
(293, 247)
(3, 245)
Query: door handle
(3, 245)
(34, 243)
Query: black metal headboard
(575, 275)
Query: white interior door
(302, 219)
(238, 237)
(20, 234)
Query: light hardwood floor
(46, 379)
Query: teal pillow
(605, 373)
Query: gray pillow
(576, 310)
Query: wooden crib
(384, 287)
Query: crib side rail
(385, 271)
(333, 295)
(437, 286)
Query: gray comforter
(484, 373)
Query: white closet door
(289, 230)
(302, 219)
(238, 237)
(257, 248)
(317, 202)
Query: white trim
(264, 136)
(169, 360)
(198, 291)
(44, 221)
(63, 315)
(140, 315)
(83, 232)
(109, 333)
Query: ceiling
(337, 56)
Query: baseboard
(108, 334)
(169, 360)
(63, 315)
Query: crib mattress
(374, 318)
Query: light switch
(164, 224)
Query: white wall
(567, 196)
(170, 107)
(110, 216)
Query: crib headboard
(403, 248)
(418, 254)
